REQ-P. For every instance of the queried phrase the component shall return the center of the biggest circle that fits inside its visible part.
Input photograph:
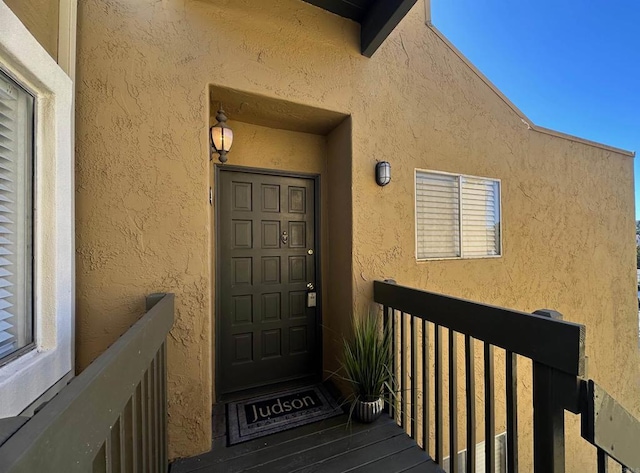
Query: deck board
(420, 468)
(399, 461)
(356, 457)
(329, 446)
(310, 452)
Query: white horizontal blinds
(500, 457)
(16, 204)
(480, 217)
(437, 215)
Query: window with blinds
(500, 457)
(457, 216)
(16, 217)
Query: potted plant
(366, 365)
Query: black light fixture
(383, 173)
(221, 137)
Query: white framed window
(36, 220)
(457, 216)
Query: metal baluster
(403, 373)
(425, 386)
(392, 405)
(385, 327)
(414, 387)
(453, 401)
(512, 411)
(438, 395)
(489, 417)
(471, 403)
(602, 462)
(144, 426)
(163, 374)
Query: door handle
(310, 286)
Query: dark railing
(556, 351)
(110, 418)
(610, 428)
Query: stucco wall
(41, 19)
(338, 311)
(143, 175)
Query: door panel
(266, 332)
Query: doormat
(266, 415)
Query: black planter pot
(367, 412)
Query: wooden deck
(332, 446)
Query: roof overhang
(377, 18)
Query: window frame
(459, 176)
(33, 344)
(36, 368)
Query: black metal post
(548, 423)
(512, 411)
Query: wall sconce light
(221, 137)
(383, 173)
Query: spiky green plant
(366, 359)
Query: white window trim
(67, 28)
(415, 215)
(29, 376)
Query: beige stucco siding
(144, 223)
(41, 19)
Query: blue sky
(569, 65)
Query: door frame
(216, 197)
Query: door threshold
(268, 389)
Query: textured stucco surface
(41, 19)
(143, 175)
(337, 313)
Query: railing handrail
(610, 427)
(72, 419)
(556, 349)
(555, 343)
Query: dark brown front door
(267, 325)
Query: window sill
(27, 377)
(16, 354)
(458, 258)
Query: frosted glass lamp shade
(221, 137)
(383, 173)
